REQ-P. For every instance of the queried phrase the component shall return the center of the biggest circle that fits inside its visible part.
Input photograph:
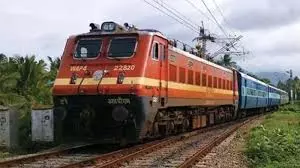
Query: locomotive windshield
(122, 47)
(88, 48)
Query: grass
(276, 143)
(4, 154)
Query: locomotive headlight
(98, 75)
(108, 26)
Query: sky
(270, 28)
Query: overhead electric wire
(179, 21)
(179, 13)
(179, 17)
(214, 18)
(198, 9)
(221, 13)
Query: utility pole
(291, 85)
(202, 40)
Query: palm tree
(8, 75)
(226, 61)
(54, 66)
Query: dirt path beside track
(229, 154)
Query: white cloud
(270, 27)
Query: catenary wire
(176, 19)
(214, 18)
(179, 13)
(176, 15)
(198, 9)
(221, 13)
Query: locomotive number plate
(124, 67)
(78, 68)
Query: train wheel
(155, 131)
(185, 125)
(170, 128)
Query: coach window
(209, 81)
(190, 77)
(204, 79)
(228, 85)
(197, 78)
(220, 83)
(224, 84)
(215, 82)
(173, 73)
(182, 75)
(155, 51)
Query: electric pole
(202, 40)
(291, 85)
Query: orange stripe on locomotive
(156, 69)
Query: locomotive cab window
(155, 51)
(122, 47)
(88, 48)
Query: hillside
(273, 76)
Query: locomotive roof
(149, 32)
(187, 54)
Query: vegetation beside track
(276, 143)
(26, 82)
(4, 154)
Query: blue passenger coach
(253, 93)
(284, 97)
(274, 97)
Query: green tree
(226, 61)
(283, 86)
(54, 65)
(8, 75)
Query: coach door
(163, 74)
(159, 59)
(163, 71)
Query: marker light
(73, 78)
(98, 75)
(121, 77)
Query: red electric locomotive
(122, 83)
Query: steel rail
(116, 158)
(203, 151)
(40, 156)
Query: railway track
(50, 158)
(187, 152)
(176, 151)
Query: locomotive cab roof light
(111, 27)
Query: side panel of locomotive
(196, 82)
(188, 88)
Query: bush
(276, 143)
